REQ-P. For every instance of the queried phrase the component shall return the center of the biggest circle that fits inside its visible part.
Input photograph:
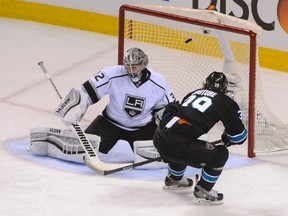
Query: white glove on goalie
(158, 115)
(73, 107)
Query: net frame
(251, 33)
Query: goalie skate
(183, 184)
(203, 197)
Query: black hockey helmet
(216, 81)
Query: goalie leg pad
(145, 150)
(38, 141)
(58, 143)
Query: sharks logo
(133, 106)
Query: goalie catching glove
(73, 107)
(158, 115)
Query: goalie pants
(110, 134)
(180, 152)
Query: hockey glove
(158, 115)
(73, 107)
(225, 140)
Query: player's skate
(204, 197)
(183, 184)
(58, 143)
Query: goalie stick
(92, 160)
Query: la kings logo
(133, 106)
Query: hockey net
(186, 45)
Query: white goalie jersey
(130, 106)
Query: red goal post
(185, 45)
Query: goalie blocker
(64, 144)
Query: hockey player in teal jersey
(177, 137)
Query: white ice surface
(31, 185)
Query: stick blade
(104, 168)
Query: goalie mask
(135, 60)
(216, 81)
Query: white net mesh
(187, 53)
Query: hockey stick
(131, 166)
(134, 165)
